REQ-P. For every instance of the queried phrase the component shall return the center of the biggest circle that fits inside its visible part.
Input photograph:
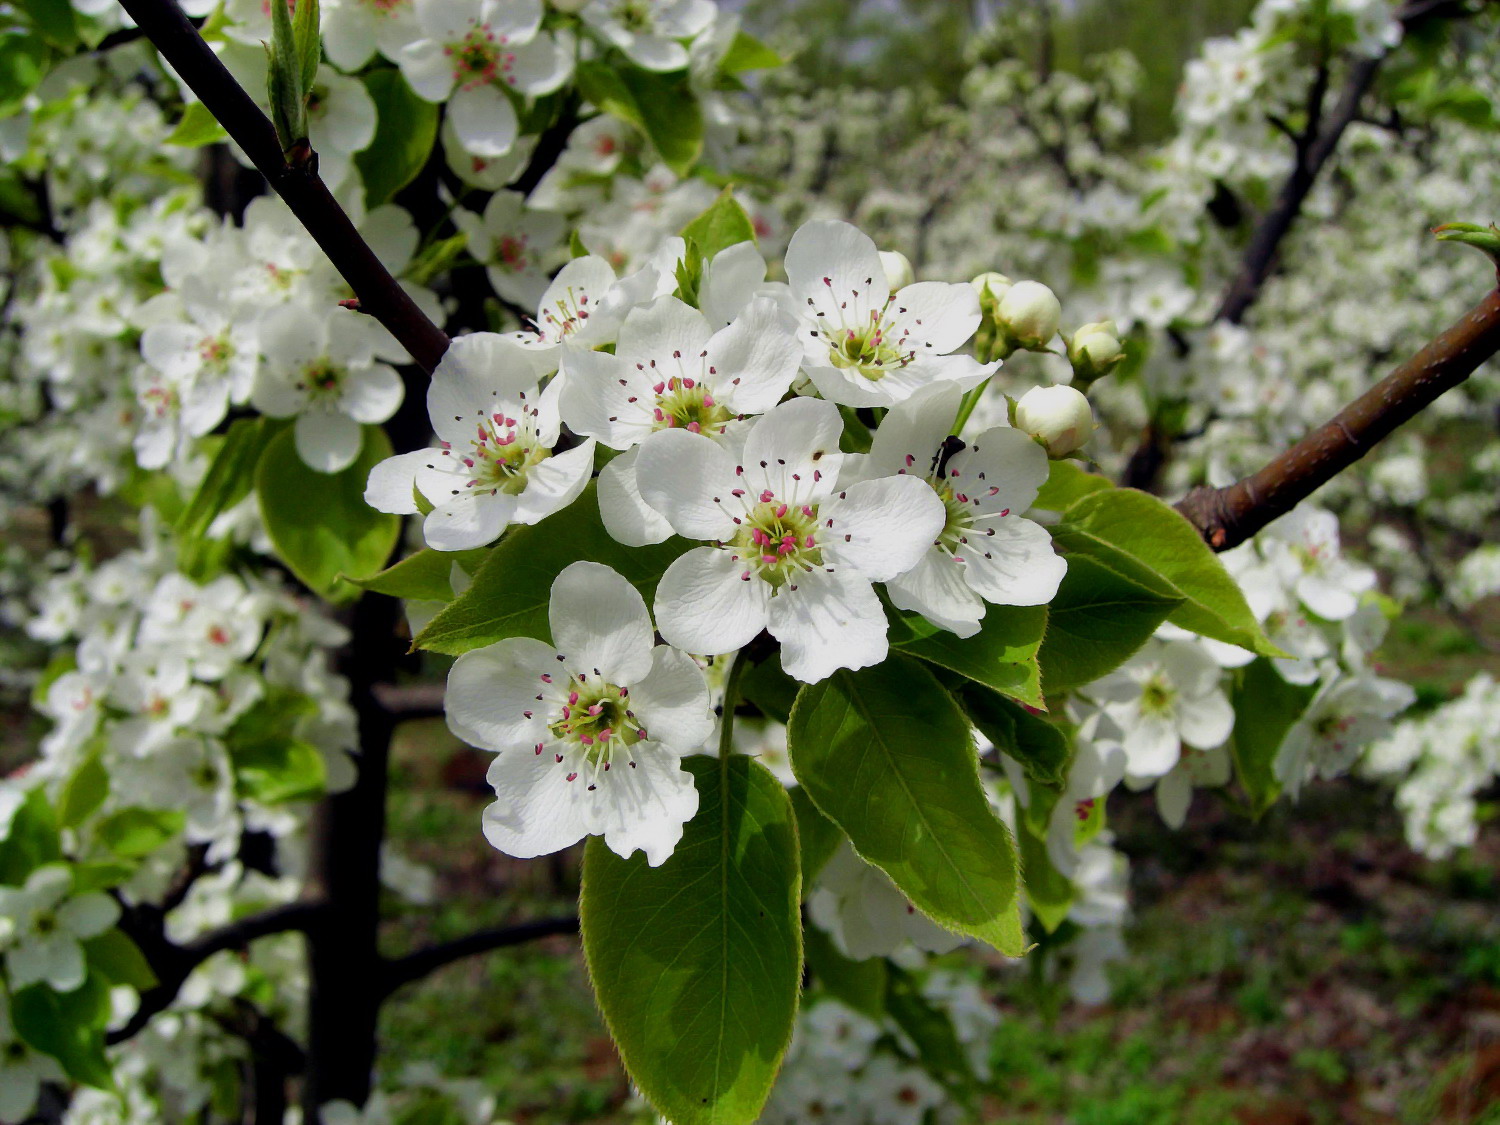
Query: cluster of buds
(1094, 351)
(1017, 315)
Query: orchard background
(1152, 779)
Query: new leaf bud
(898, 271)
(1029, 314)
(1058, 417)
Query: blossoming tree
(800, 589)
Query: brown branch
(410, 701)
(1228, 516)
(163, 22)
(415, 966)
(173, 963)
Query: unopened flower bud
(1058, 417)
(991, 286)
(898, 271)
(1094, 351)
(1029, 314)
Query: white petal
(703, 605)
(1173, 795)
(688, 478)
(599, 621)
(1014, 566)
(468, 520)
(826, 622)
(490, 689)
(1205, 722)
(372, 394)
(941, 313)
(595, 399)
(883, 527)
(645, 807)
(88, 915)
(911, 435)
(484, 120)
(794, 440)
(729, 282)
(555, 483)
(625, 514)
(541, 66)
(655, 52)
(844, 256)
(1190, 667)
(1151, 745)
(755, 359)
(327, 441)
(936, 589)
(392, 483)
(653, 332)
(672, 701)
(1001, 469)
(537, 811)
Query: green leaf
(271, 764)
(273, 772)
(858, 984)
(84, 792)
(230, 476)
(319, 522)
(885, 754)
(135, 832)
(101, 875)
(1039, 746)
(425, 576)
(118, 960)
(509, 595)
(1097, 621)
(196, 128)
(662, 106)
(856, 437)
(931, 1031)
(23, 65)
(770, 688)
(32, 841)
(1002, 655)
(55, 20)
(1067, 483)
(308, 43)
(1265, 708)
(817, 836)
(1160, 539)
(68, 1026)
(406, 128)
(697, 963)
(748, 53)
(722, 225)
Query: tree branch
(411, 701)
(1228, 516)
(415, 966)
(172, 963)
(163, 22)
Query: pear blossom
(1165, 695)
(791, 551)
(669, 370)
(1311, 562)
(321, 370)
(863, 344)
(41, 924)
(1348, 713)
(650, 31)
(986, 550)
(353, 30)
(1196, 769)
(468, 52)
(495, 464)
(515, 244)
(866, 915)
(589, 734)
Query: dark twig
(1228, 516)
(410, 701)
(173, 963)
(415, 966)
(163, 22)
